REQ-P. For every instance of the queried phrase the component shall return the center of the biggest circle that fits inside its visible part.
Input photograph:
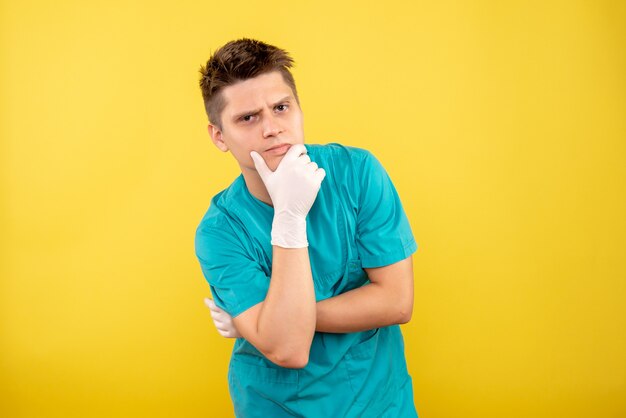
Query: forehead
(255, 92)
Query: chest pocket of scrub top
(354, 276)
(335, 263)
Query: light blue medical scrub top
(356, 222)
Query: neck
(255, 185)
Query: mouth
(278, 149)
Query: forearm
(367, 307)
(288, 315)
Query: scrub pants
(403, 406)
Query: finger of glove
(220, 316)
(211, 305)
(215, 310)
(312, 166)
(217, 313)
(300, 162)
(223, 327)
(260, 165)
(227, 330)
(223, 322)
(232, 334)
(218, 321)
(319, 174)
(304, 159)
(295, 151)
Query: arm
(387, 300)
(283, 325)
(383, 238)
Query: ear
(216, 136)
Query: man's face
(262, 115)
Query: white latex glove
(293, 188)
(223, 322)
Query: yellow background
(502, 125)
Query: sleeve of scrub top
(237, 281)
(383, 232)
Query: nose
(271, 126)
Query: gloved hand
(223, 322)
(293, 188)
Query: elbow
(404, 317)
(295, 363)
(290, 360)
(405, 312)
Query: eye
(282, 107)
(247, 118)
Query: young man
(307, 254)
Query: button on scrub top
(357, 221)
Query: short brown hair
(238, 61)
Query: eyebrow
(254, 112)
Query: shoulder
(334, 157)
(216, 228)
(338, 151)
(219, 207)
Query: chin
(274, 162)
